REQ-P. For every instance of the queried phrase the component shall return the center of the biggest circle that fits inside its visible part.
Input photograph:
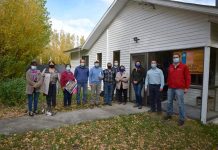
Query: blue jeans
(67, 98)
(138, 95)
(33, 97)
(108, 89)
(85, 88)
(179, 95)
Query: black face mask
(51, 66)
(109, 67)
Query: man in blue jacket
(95, 77)
(81, 74)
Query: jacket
(124, 78)
(81, 74)
(65, 77)
(32, 85)
(138, 75)
(178, 77)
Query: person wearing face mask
(122, 79)
(52, 87)
(154, 81)
(137, 77)
(33, 83)
(81, 74)
(95, 82)
(116, 69)
(178, 81)
(67, 76)
(109, 79)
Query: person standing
(109, 80)
(154, 82)
(33, 83)
(67, 76)
(122, 79)
(116, 69)
(178, 81)
(81, 74)
(52, 89)
(137, 77)
(95, 82)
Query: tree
(24, 32)
(82, 40)
(59, 42)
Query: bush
(12, 91)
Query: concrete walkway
(26, 123)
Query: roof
(117, 6)
(76, 49)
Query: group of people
(114, 77)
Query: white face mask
(33, 67)
(176, 60)
(153, 65)
(96, 64)
(82, 64)
(116, 64)
(68, 68)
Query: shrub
(12, 92)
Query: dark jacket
(81, 74)
(138, 75)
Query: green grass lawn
(140, 131)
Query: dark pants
(51, 97)
(33, 101)
(67, 98)
(122, 95)
(108, 88)
(138, 95)
(154, 97)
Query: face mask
(122, 69)
(115, 64)
(96, 64)
(33, 67)
(82, 64)
(51, 66)
(137, 65)
(153, 65)
(109, 67)
(68, 68)
(176, 60)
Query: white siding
(158, 29)
(99, 47)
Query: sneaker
(119, 102)
(181, 122)
(36, 112)
(31, 114)
(110, 104)
(124, 103)
(167, 117)
(48, 113)
(140, 107)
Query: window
(116, 56)
(86, 58)
(99, 58)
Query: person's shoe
(48, 113)
(167, 117)
(136, 105)
(124, 103)
(119, 102)
(181, 122)
(110, 104)
(105, 104)
(78, 104)
(31, 114)
(140, 107)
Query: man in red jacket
(178, 84)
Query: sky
(79, 17)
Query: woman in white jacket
(122, 79)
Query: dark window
(116, 56)
(99, 58)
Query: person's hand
(185, 90)
(161, 89)
(90, 85)
(135, 82)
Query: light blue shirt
(154, 76)
(94, 75)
